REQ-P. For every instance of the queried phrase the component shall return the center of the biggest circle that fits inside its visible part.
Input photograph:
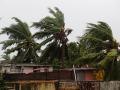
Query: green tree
(97, 37)
(73, 52)
(99, 48)
(53, 33)
(6, 58)
(20, 39)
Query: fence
(111, 85)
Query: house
(21, 76)
(24, 68)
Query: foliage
(53, 33)
(73, 53)
(6, 57)
(98, 48)
(96, 37)
(91, 58)
(20, 40)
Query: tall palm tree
(98, 47)
(52, 31)
(20, 39)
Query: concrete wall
(89, 76)
(27, 70)
(68, 86)
(71, 85)
(38, 86)
(111, 85)
(90, 85)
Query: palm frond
(42, 34)
(95, 29)
(109, 58)
(24, 26)
(8, 51)
(46, 41)
(8, 43)
(6, 57)
(51, 51)
(87, 59)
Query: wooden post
(75, 77)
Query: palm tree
(6, 58)
(97, 36)
(20, 39)
(98, 47)
(54, 35)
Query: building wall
(38, 86)
(6, 69)
(24, 69)
(80, 76)
(89, 76)
(27, 70)
(66, 85)
(85, 75)
(33, 86)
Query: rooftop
(25, 64)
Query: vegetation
(97, 47)
(54, 35)
(20, 39)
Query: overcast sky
(77, 13)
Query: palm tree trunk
(62, 56)
(63, 42)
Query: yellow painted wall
(99, 75)
(39, 86)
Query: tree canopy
(20, 39)
(99, 48)
(96, 47)
(54, 34)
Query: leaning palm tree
(20, 39)
(97, 37)
(98, 47)
(54, 35)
